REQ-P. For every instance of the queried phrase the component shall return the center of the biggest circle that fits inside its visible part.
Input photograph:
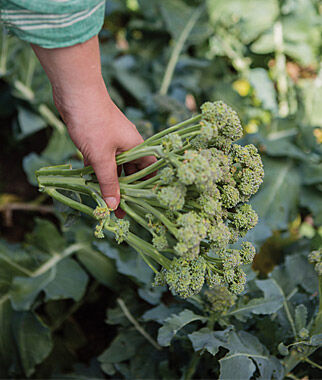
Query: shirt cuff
(53, 30)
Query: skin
(95, 124)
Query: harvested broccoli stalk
(193, 208)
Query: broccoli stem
(134, 215)
(174, 128)
(143, 173)
(170, 226)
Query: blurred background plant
(74, 306)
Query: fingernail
(111, 202)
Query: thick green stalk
(125, 207)
(171, 227)
(74, 184)
(143, 173)
(68, 201)
(146, 183)
(148, 249)
(174, 128)
(140, 152)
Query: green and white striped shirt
(53, 23)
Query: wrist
(76, 102)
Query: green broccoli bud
(238, 283)
(172, 196)
(247, 252)
(186, 277)
(172, 142)
(210, 205)
(223, 143)
(160, 242)
(232, 259)
(214, 279)
(229, 275)
(167, 175)
(185, 174)
(315, 256)
(230, 196)
(207, 131)
(219, 299)
(245, 218)
(98, 233)
(318, 268)
(198, 143)
(159, 279)
(250, 181)
(121, 230)
(219, 235)
(224, 117)
(304, 333)
(101, 213)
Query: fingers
(139, 164)
(106, 173)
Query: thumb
(106, 173)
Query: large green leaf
(177, 15)
(100, 266)
(128, 261)
(245, 350)
(311, 199)
(277, 200)
(175, 323)
(249, 18)
(41, 264)
(122, 347)
(271, 302)
(209, 340)
(29, 122)
(24, 290)
(24, 341)
(264, 88)
(33, 340)
(70, 281)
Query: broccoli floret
(315, 256)
(219, 299)
(237, 285)
(219, 235)
(232, 259)
(172, 142)
(160, 242)
(244, 218)
(214, 279)
(230, 196)
(247, 252)
(210, 205)
(186, 277)
(121, 231)
(172, 196)
(167, 175)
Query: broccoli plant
(195, 208)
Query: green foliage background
(75, 307)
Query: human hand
(97, 127)
(101, 131)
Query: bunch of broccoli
(194, 207)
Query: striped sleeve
(53, 23)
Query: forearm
(75, 76)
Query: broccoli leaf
(209, 340)
(270, 303)
(277, 201)
(176, 322)
(245, 350)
